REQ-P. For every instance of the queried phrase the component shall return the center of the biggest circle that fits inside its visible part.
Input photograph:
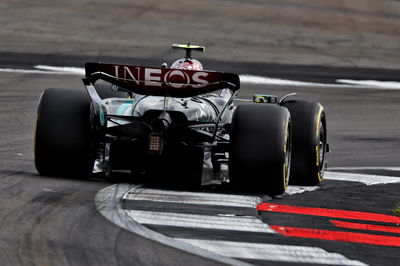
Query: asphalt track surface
(54, 221)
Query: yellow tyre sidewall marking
(319, 176)
(285, 150)
(317, 146)
(319, 119)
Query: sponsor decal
(147, 76)
(181, 79)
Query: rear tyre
(259, 157)
(309, 142)
(62, 135)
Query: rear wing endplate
(161, 81)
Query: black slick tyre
(62, 135)
(260, 146)
(309, 141)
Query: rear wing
(161, 81)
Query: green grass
(396, 209)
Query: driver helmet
(187, 64)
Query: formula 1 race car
(179, 122)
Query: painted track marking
(233, 249)
(370, 227)
(108, 203)
(366, 179)
(32, 71)
(72, 70)
(247, 224)
(372, 83)
(361, 238)
(355, 215)
(338, 236)
(362, 178)
(388, 168)
(292, 190)
(193, 198)
(271, 252)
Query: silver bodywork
(202, 108)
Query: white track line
(292, 190)
(363, 178)
(245, 78)
(347, 83)
(193, 198)
(47, 70)
(232, 249)
(31, 71)
(108, 203)
(372, 83)
(72, 70)
(271, 252)
(389, 168)
(235, 223)
(251, 79)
